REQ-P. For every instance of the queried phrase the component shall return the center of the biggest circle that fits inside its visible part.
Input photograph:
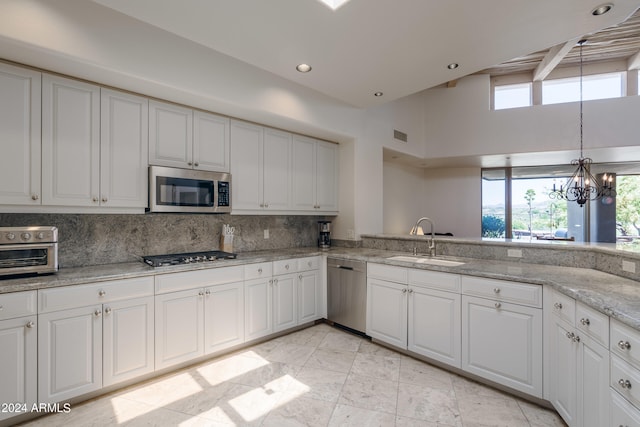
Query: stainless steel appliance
(187, 258)
(186, 190)
(324, 234)
(347, 293)
(28, 250)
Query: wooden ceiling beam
(634, 61)
(552, 59)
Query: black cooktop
(187, 258)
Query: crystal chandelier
(582, 187)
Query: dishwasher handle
(359, 267)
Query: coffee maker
(324, 234)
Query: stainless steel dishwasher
(347, 293)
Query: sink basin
(426, 260)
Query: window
(598, 86)
(527, 212)
(512, 96)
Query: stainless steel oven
(28, 250)
(186, 190)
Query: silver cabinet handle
(97, 313)
(1, 307)
(30, 325)
(190, 163)
(410, 291)
(107, 310)
(558, 306)
(104, 199)
(624, 383)
(34, 197)
(498, 305)
(585, 322)
(102, 293)
(624, 345)
(260, 271)
(286, 267)
(496, 290)
(404, 291)
(95, 200)
(576, 338)
(201, 293)
(300, 277)
(196, 164)
(571, 336)
(275, 281)
(207, 292)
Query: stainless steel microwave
(186, 190)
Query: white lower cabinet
(285, 302)
(578, 363)
(387, 312)
(623, 413)
(309, 296)
(128, 339)
(223, 316)
(258, 308)
(87, 330)
(69, 353)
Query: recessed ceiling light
(334, 4)
(602, 9)
(378, 94)
(453, 66)
(303, 68)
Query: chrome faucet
(432, 243)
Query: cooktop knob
(26, 236)
(11, 236)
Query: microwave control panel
(224, 196)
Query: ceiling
(397, 47)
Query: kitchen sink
(426, 260)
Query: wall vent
(400, 136)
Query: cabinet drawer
(501, 290)
(625, 379)
(593, 323)
(434, 280)
(562, 306)
(257, 271)
(622, 412)
(196, 279)
(97, 293)
(285, 266)
(625, 342)
(309, 263)
(18, 304)
(387, 272)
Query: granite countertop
(615, 296)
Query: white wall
(404, 197)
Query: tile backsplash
(92, 239)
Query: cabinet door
(246, 165)
(170, 135)
(434, 324)
(179, 327)
(223, 316)
(327, 177)
(210, 142)
(20, 122)
(563, 386)
(124, 146)
(277, 170)
(70, 142)
(309, 295)
(622, 412)
(69, 353)
(285, 302)
(304, 173)
(503, 343)
(593, 383)
(128, 330)
(18, 362)
(257, 308)
(387, 312)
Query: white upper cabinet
(315, 179)
(277, 172)
(210, 142)
(184, 138)
(20, 95)
(124, 149)
(70, 142)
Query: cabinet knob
(404, 291)
(271, 282)
(624, 345)
(570, 335)
(286, 267)
(107, 310)
(104, 200)
(309, 263)
(102, 293)
(266, 205)
(410, 291)
(97, 313)
(1, 307)
(30, 325)
(201, 293)
(196, 164)
(275, 281)
(558, 306)
(190, 163)
(300, 277)
(260, 271)
(496, 290)
(624, 383)
(34, 197)
(498, 305)
(207, 292)
(585, 322)
(95, 200)
(576, 338)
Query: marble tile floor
(319, 376)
